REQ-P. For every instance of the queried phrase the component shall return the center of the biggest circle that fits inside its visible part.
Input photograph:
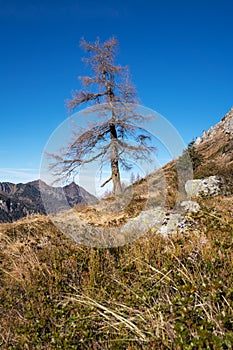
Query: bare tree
(113, 96)
(138, 177)
(132, 178)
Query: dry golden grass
(154, 293)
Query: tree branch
(105, 183)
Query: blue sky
(180, 55)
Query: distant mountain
(20, 200)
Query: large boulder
(210, 186)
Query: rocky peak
(72, 189)
(38, 184)
(227, 122)
(72, 185)
(224, 128)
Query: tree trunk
(116, 177)
(116, 180)
(114, 161)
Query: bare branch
(81, 97)
(105, 183)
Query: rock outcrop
(225, 126)
(210, 186)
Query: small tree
(138, 177)
(195, 156)
(109, 84)
(132, 178)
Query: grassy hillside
(173, 292)
(155, 293)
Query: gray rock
(171, 225)
(156, 220)
(210, 186)
(190, 206)
(198, 140)
(145, 221)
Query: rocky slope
(161, 190)
(216, 148)
(20, 200)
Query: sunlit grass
(155, 293)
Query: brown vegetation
(155, 293)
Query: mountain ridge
(20, 200)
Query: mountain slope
(166, 186)
(20, 200)
(216, 148)
(153, 293)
